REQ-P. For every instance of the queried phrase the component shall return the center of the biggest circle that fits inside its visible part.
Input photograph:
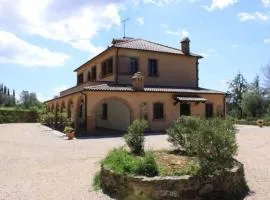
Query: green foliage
(135, 136)
(97, 181)
(216, 145)
(68, 129)
(147, 166)
(213, 142)
(123, 162)
(18, 116)
(183, 133)
(252, 103)
(29, 99)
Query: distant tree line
(249, 100)
(27, 99)
(6, 97)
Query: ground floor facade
(115, 110)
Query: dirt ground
(38, 163)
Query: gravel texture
(39, 163)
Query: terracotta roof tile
(114, 88)
(141, 44)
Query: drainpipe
(197, 72)
(85, 110)
(116, 67)
(224, 106)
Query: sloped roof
(118, 88)
(141, 44)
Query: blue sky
(42, 42)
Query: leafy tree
(266, 71)
(28, 100)
(237, 88)
(252, 103)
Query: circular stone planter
(186, 187)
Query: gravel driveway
(37, 163)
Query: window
(104, 111)
(89, 76)
(94, 73)
(133, 65)
(152, 67)
(103, 68)
(208, 110)
(158, 111)
(81, 110)
(110, 66)
(107, 67)
(80, 79)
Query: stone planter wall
(171, 188)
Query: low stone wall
(171, 188)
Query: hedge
(246, 122)
(18, 116)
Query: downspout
(197, 72)
(116, 67)
(85, 110)
(224, 106)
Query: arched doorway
(114, 114)
(80, 116)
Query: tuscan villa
(138, 79)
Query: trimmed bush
(183, 133)
(147, 166)
(18, 116)
(135, 136)
(213, 141)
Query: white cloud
(220, 4)
(41, 98)
(266, 3)
(17, 51)
(180, 33)
(267, 40)
(208, 53)
(225, 82)
(140, 21)
(244, 16)
(57, 90)
(62, 21)
(160, 2)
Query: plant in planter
(260, 123)
(69, 132)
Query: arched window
(158, 111)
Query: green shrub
(97, 181)
(135, 136)
(216, 145)
(183, 133)
(123, 162)
(147, 166)
(213, 142)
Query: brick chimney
(138, 81)
(185, 45)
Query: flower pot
(260, 123)
(70, 135)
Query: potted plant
(69, 132)
(260, 123)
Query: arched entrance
(80, 116)
(114, 114)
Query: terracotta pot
(70, 135)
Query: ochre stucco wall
(173, 70)
(133, 100)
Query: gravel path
(38, 163)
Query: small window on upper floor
(94, 73)
(89, 77)
(107, 67)
(110, 66)
(80, 79)
(158, 111)
(152, 67)
(133, 65)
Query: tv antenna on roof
(124, 25)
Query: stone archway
(80, 116)
(112, 113)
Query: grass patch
(158, 163)
(123, 162)
(97, 181)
